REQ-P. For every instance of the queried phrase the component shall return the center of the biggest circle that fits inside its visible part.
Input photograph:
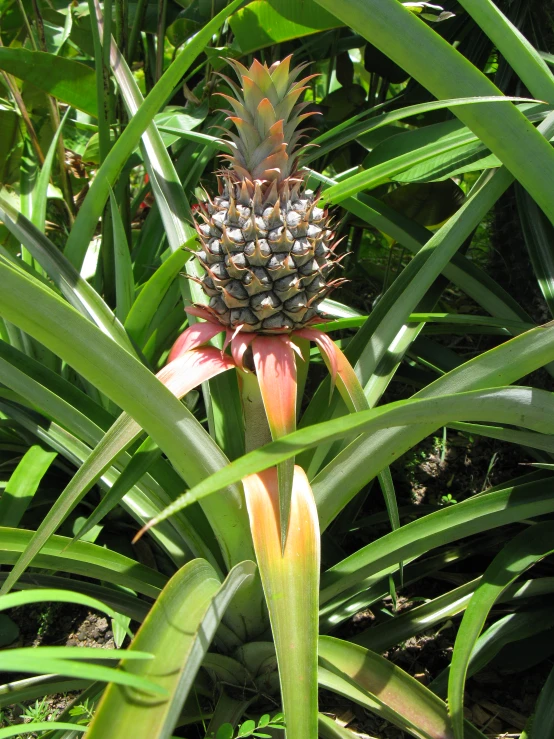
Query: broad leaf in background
(265, 22)
(70, 81)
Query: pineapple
(266, 246)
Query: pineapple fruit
(267, 248)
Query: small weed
(37, 712)
(85, 711)
(250, 728)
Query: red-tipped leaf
(193, 368)
(193, 337)
(276, 371)
(340, 368)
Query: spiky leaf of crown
(266, 113)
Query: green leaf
(524, 550)
(140, 462)
(525, 60)
(360, 125)
(23, 484)
(515, 627)
(9, 630)
(70, 662)
(266, 22)
(543, 720)
(225, 731)
(40, 194)
(121, 377)
(471, 279)
(501, 405)
(409, 149)
(49, 595)
(76, 290)
(468, 158)
(67, 80)
(385, 689)
(76, 653)
(538, 233)
(406, 625)
(418, 154)
(502, 365)
(147, 303)
(178, 632)
(35, 726)
(61, 401)
(93, 205)
(446, 73)
(116, 599)
(246, 728)
(36, 687)
(82, 558)
(330, 729)
(169, 194)
(472, 516)
(124, 282)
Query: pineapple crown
(266, 113)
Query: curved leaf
(75, 289)
(65, 79)
(72, 664)
(385, 689)
(529, 546)
(23, 484)
(177, 631)
(93, 205)
(481, 513)
(126, 381)
(446, 73)
(514, 47)
(49, 595)
(82, 558)
(35, 726)
(520, 406)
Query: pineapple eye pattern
(267, 249)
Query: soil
(54, 624)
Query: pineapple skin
(267, 257)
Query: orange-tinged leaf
(193, 368)
(340, 368)
(290, 579)
(280, 75)
(259, 73)
(276, 371)
(252, 94)
(266, 117)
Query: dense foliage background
(437, 503)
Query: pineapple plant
(266, 246)
(267, 250)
